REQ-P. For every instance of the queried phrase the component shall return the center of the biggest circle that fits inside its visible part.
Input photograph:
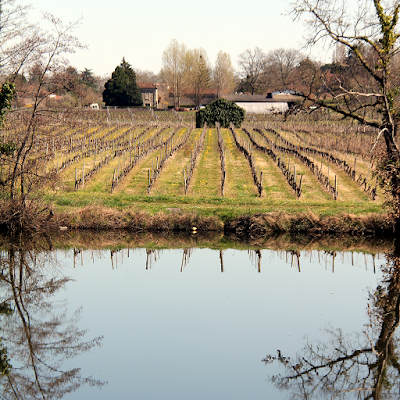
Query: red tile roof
(147, 86)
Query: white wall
(264, 107)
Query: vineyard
(157, 161)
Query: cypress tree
(122, 90)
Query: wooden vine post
(83, 174)
(336, 193)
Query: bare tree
(252, 68)
(45, 48)
(198, 73)
(173, 71)
(146, 76)
(283, 62)
(223, 74)
(370, 35)
(18, 39)
(51, 48)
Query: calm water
(177, 324)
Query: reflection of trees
(38, 336)
(365, 366)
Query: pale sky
(141, 30)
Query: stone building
(149, 93)
(154, 94)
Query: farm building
(154, 95)
(149, 93)
(261, 103)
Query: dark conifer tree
(122, 90)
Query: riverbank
(36, 218)
(100, 218)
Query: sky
(141, 30)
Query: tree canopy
(122, 90)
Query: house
(276, 102)
(149, 93)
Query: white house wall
(260, 108)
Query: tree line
(189, 73)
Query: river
(193, 323)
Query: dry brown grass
(30, 217)
(102, 218)
(309, 223)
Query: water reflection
(37, 335)
(364, 366)
(291, 257)
(160, 309)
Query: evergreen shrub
(222, 111)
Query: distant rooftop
(259, 98)
(147, 86)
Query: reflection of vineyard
(294, 258)
(329, 258)
(141, 153)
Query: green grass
(207, 177)
(224, 208)
(170, 182)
